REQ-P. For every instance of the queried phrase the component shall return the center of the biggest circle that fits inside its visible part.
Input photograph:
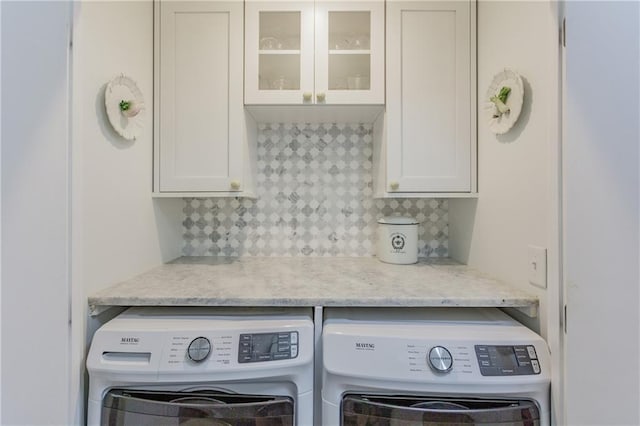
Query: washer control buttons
(261, 347)
(504, 360)
(199, 349)
(536, 366)
(440, 359)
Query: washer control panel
(507, 360)
(186, 350)
(261, 347)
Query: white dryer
(196, 366)
(432, 366)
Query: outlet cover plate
(537, 266)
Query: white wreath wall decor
(503, 101)
(125, 107)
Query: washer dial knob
(199, 349)
(440, 359)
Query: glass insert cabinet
(314, 52)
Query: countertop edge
(309, 282)
(99, 305)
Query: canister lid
(397, 220)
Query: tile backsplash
(314, 198)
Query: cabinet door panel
(349, 49)
(278, 52)
(200, 95)
(429, 96)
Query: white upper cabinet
(350, 52)
(303, 52)
(200, 125)
(429, 139)
(279, 52)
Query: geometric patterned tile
(314, 198)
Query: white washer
(165, 366)
(432, 366)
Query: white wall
(35, 213)
(602, 209)
(514, 170)
(119, 231)
(518, 173)
(0, 217)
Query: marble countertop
(311, 281)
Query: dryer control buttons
(440, 359)
(199, 349)
(504, 360)
(260, 347)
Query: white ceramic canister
(398, 240)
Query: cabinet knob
(235, 184)
(394, 185)
(320, 97)
(306, 96)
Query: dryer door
(405, 411)
(142, 408)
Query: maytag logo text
(365, 346)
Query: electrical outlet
(537, 268)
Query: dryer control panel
(259, 347)
(507, 360)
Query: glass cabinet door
(279, 52)
(350, 52)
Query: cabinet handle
(306, 96)
(394, 185)
(235, 185)
(320, 97)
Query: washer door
(413, 411)
(142, 408)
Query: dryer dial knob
(199, 349)
(440, 359)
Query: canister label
(398, 242)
